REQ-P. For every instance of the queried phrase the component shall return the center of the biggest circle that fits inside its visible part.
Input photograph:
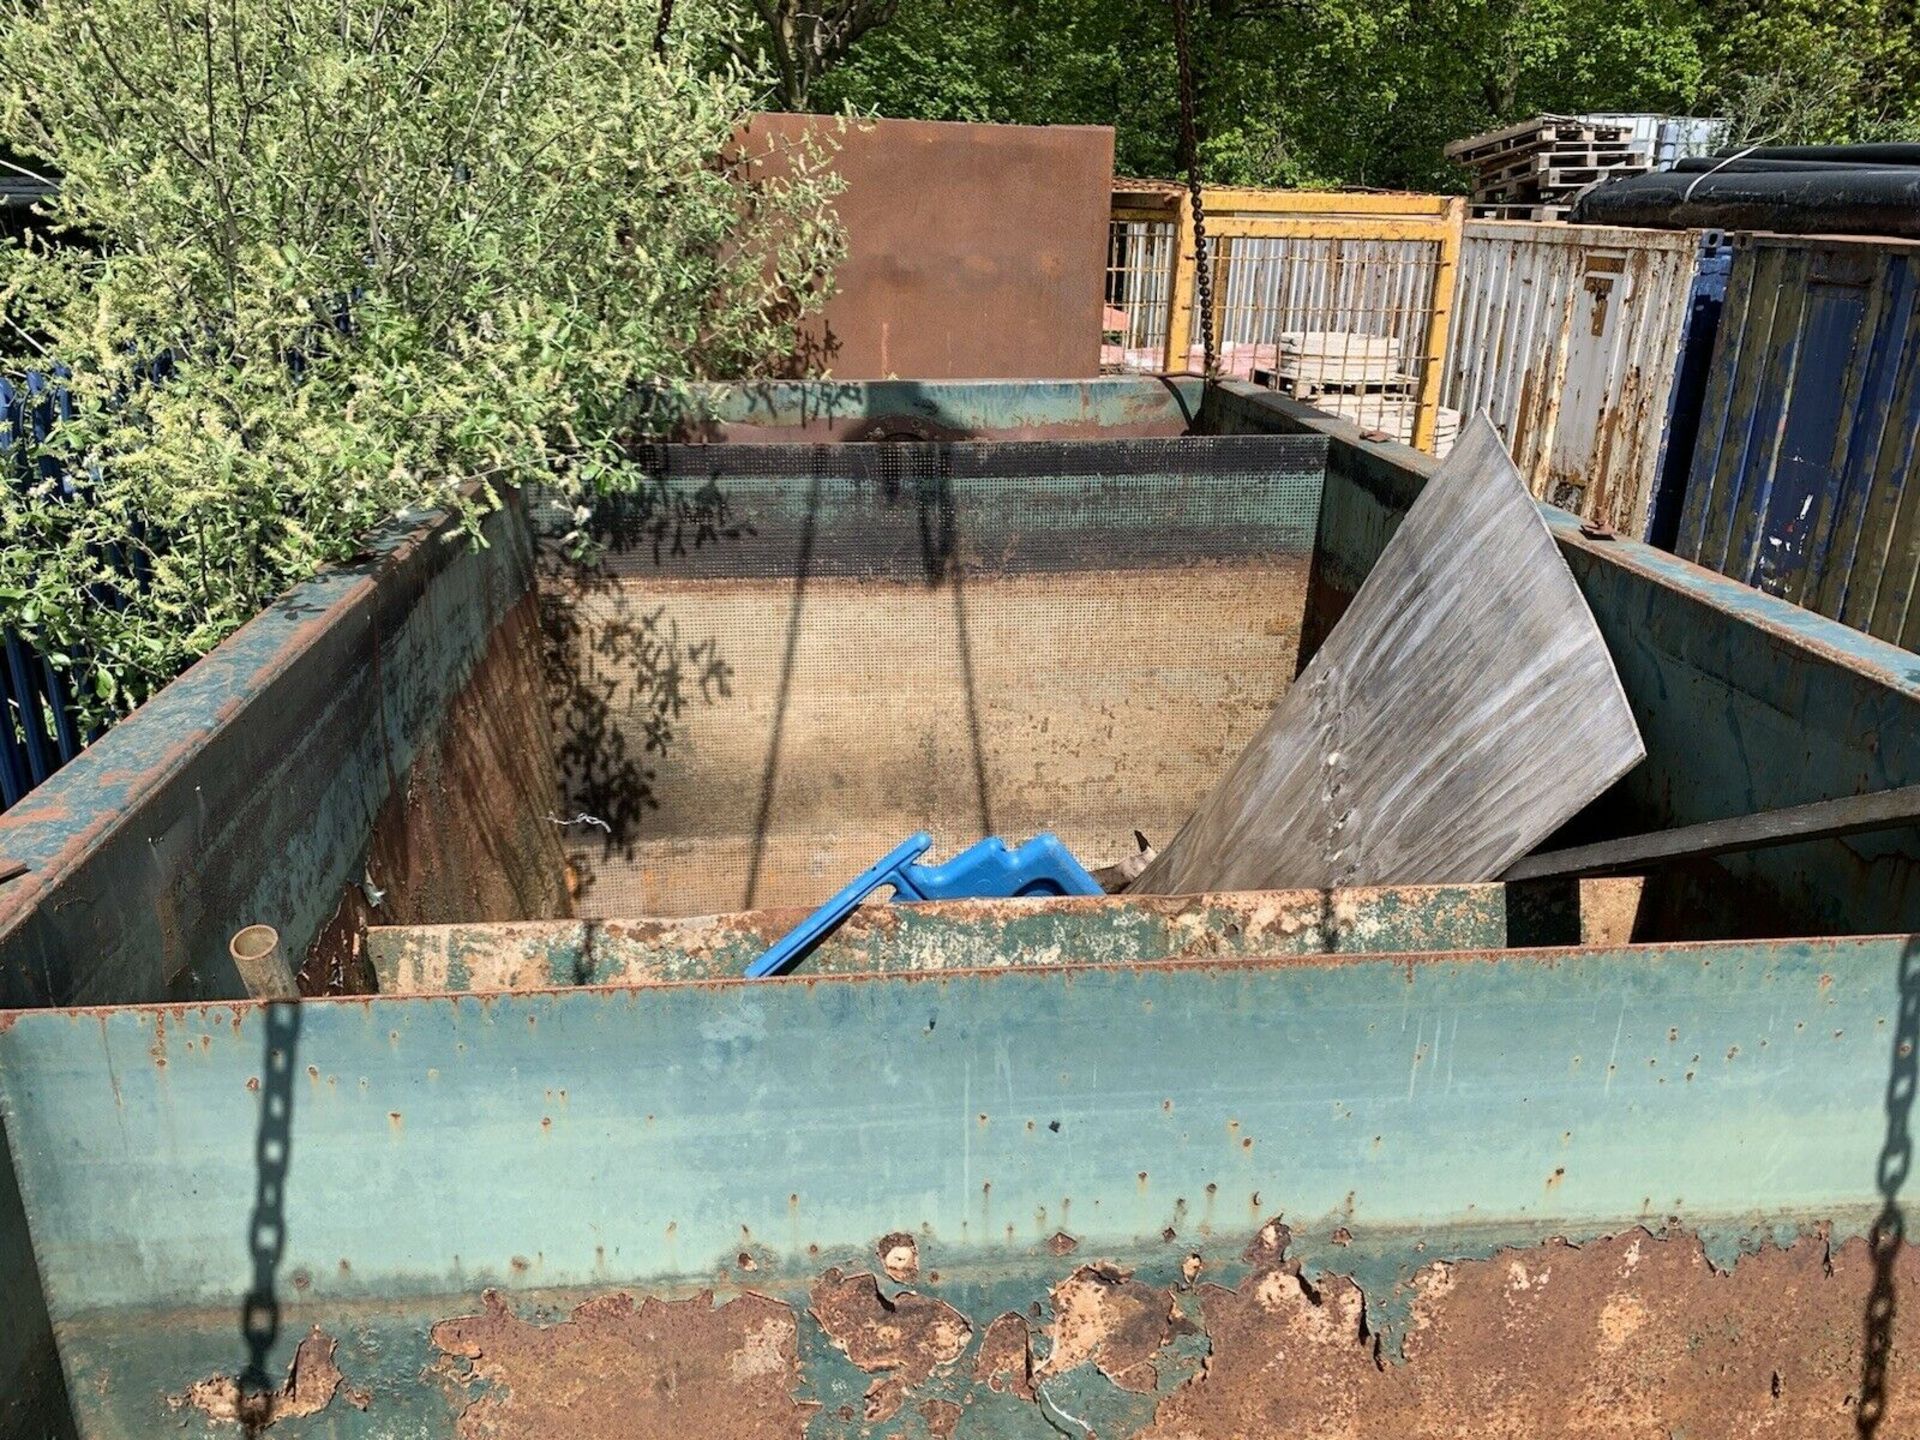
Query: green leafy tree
(798, 40)
(1367, 92)
(319, 263)
(1796, 72)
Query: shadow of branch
(620, 674)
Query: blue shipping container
(1799, 482)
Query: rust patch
(1061, 1243)
(1005, 1362)
(899, 1257)
(1101, 1313)
(1269, 1244)
(1632, 1338)
(902, 1340)
(942, 1417)
(313, 1379)
(666, 1369)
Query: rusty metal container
(1454, 1161)
(1569, 336)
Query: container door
(1590, 408)
(1799, 504)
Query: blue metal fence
(39, 724)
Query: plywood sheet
(1462, 709)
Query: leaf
(360, 274)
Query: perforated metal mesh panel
(794, 656)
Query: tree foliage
(1366, 92)
(323, 262)
(799, 40)
(1800, 72)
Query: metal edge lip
(236, 1011)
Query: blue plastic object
(987, 871)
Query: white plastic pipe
(263, 964)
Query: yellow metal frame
(1234, 214)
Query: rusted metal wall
(1807, 442)
(1569, 337)
(791, 658)
(379, 730)
(1559, 1193)
(251, 789)
(1745, 702)
(33, 1396)
(472, 827)
(974, 251)
(943, 935)
(993, 934)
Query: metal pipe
(1882, 201)
(1790, 825)
(263, 964)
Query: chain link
(1888, 1236)
(1190, 156)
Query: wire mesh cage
(1340, 299)
(1140, 270)
(1341, 322)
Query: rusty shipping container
(1444, 1161)
(1569, 336)
(1802, 480)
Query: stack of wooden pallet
(1536, 170)
(1357, 376)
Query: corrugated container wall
(1569, 336)
(1806, 454)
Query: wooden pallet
(1531, 135)
(1555, 187)
(1580, 176)
(1526, 190)
(1539, 162)
(1302, 388)
(1549, 213)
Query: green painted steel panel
(1002, 408)
(593, 1138)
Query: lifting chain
(1190, 157)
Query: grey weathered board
(1461, 710)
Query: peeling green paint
(590, 1139)
(945, 935)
